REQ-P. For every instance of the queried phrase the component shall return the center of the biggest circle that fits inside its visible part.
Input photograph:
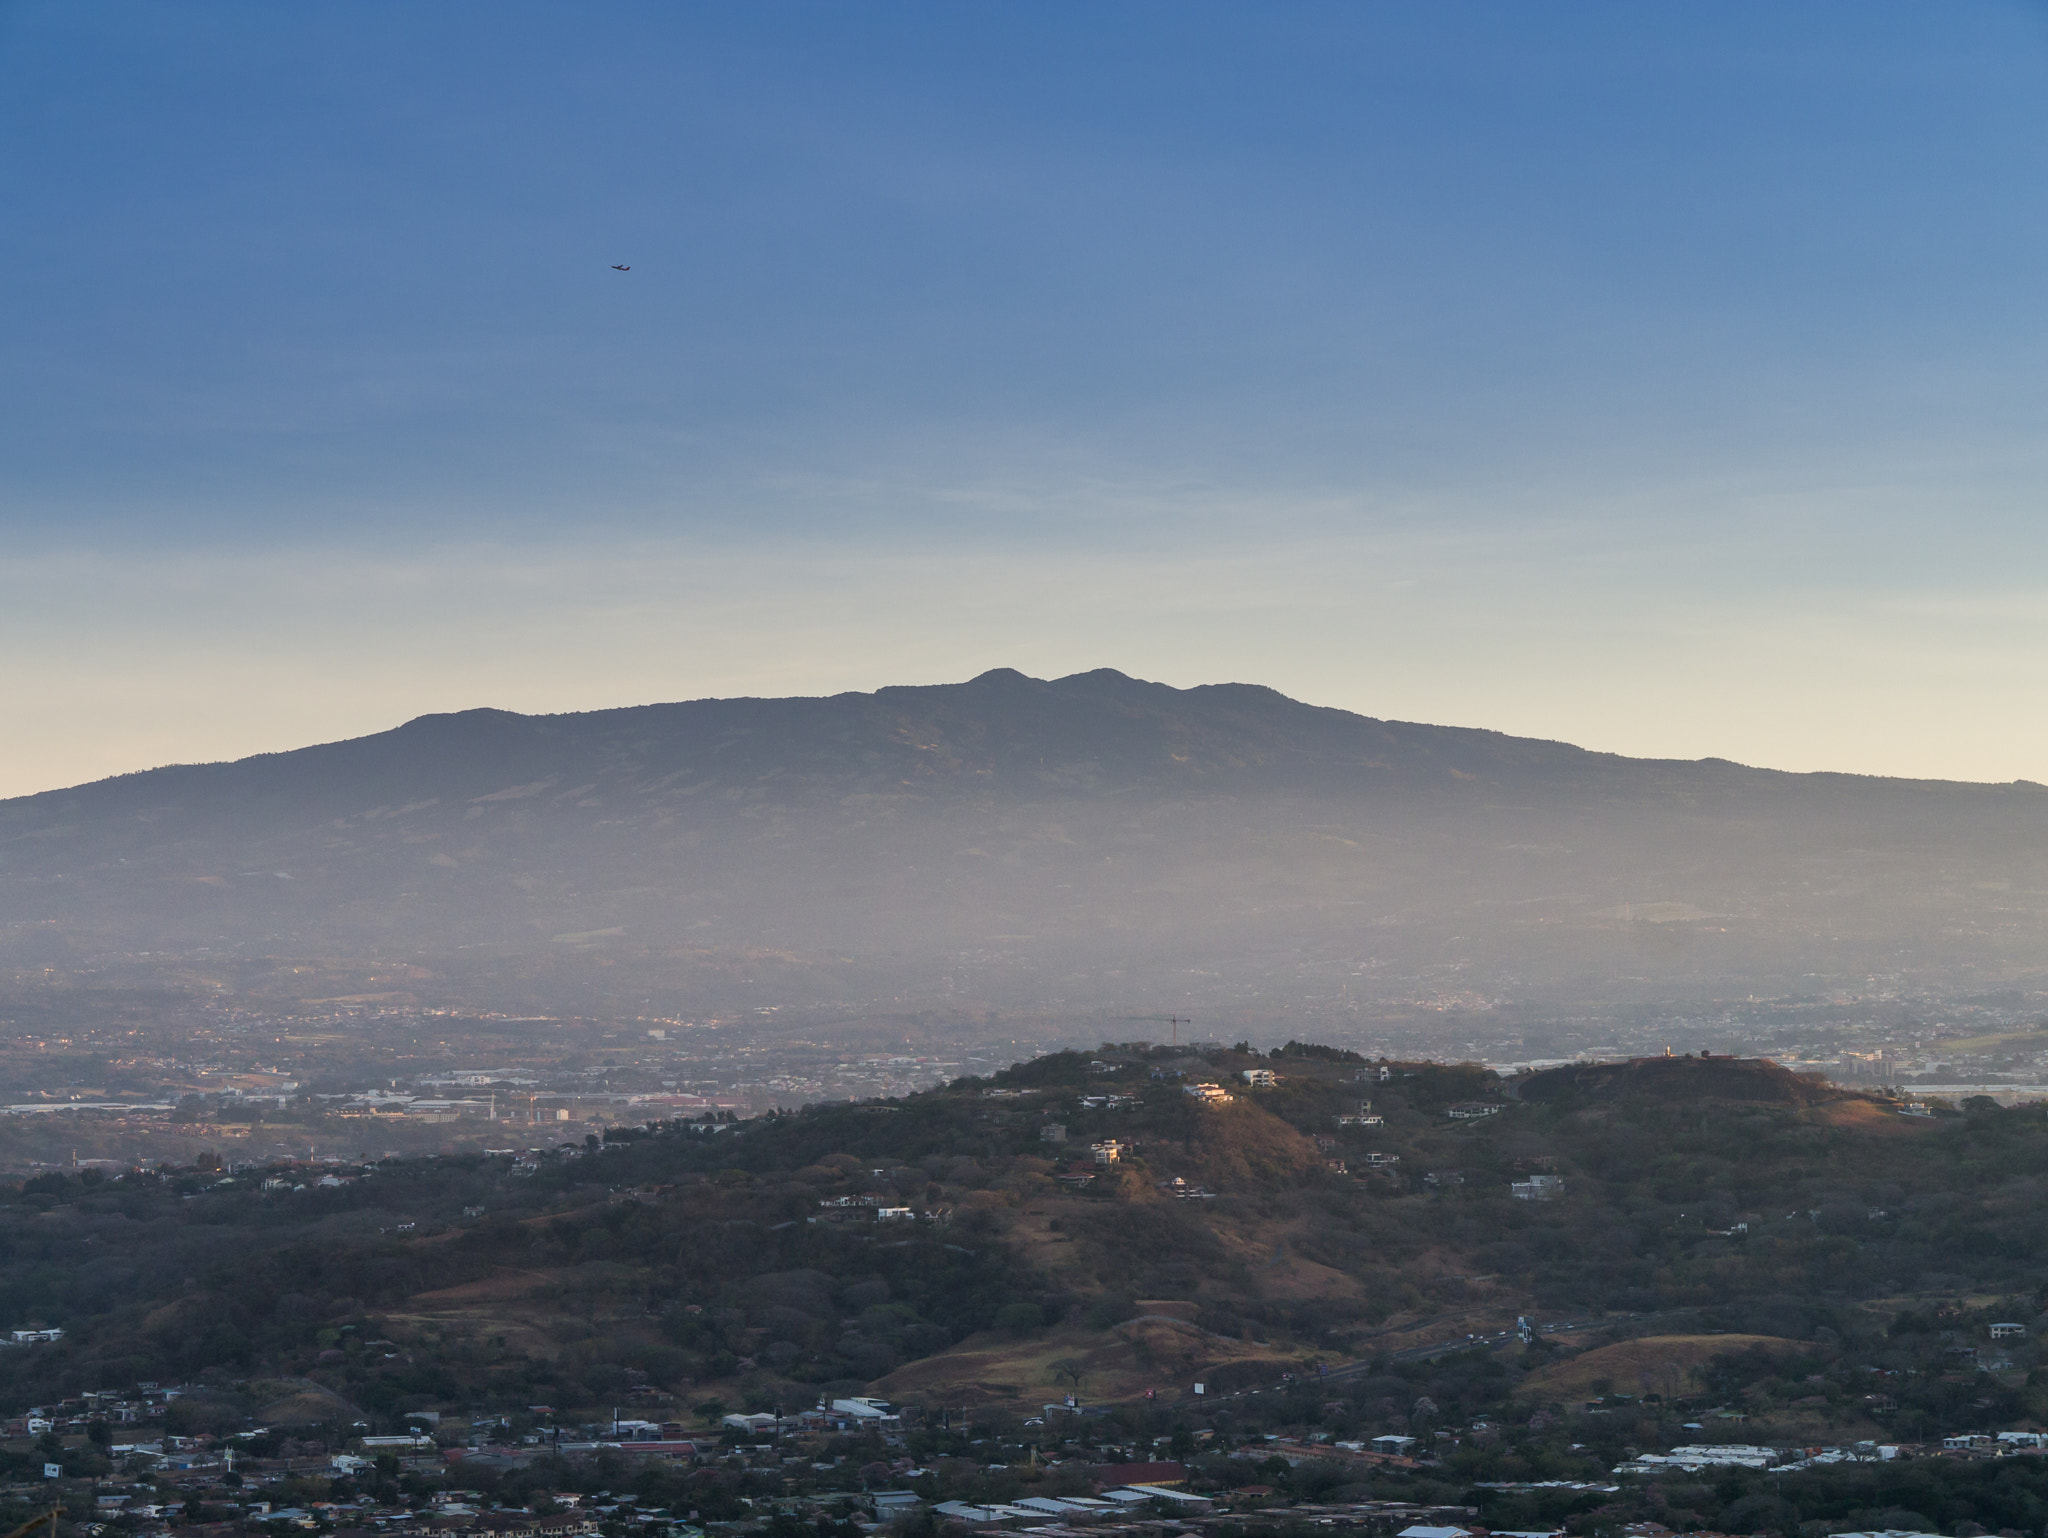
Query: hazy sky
(1666, 378)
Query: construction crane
(1176, 1021)
(41, 1519)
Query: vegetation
(1737, 1253)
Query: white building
(872, 1411)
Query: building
(1141, 1495)
(871, 1412)
(1106, 1152)
(1537, 1188)
(1052, 1132)
(2007, 1331)
(1208, 1094)
(1259, 1078)
(1474, 1110)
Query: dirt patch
(1872, 1116)
(492, 1289)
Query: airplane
(617, 268)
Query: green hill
(1223, 1244)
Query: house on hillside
(1259, 1078)
(1474, 1110)
(864, 1411)
(1537, 1188)
(1208, 1094)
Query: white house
(1259, 1078)
(862, 1409)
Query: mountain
(1019, 840)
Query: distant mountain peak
(1096, 815)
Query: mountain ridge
(1097, 687)
(1115, 825)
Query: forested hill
(1681, 1079)
(983, 838)
(950, 1248)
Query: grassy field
(1656, 1364)
(1152, 1352)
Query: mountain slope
(1011, 825)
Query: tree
(1019, 1319)
(1069, 1370)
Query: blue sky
(1666, 378)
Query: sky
(1668, 378)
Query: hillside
(1013, 841)
(1680, 1078)
(1227, 1244)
